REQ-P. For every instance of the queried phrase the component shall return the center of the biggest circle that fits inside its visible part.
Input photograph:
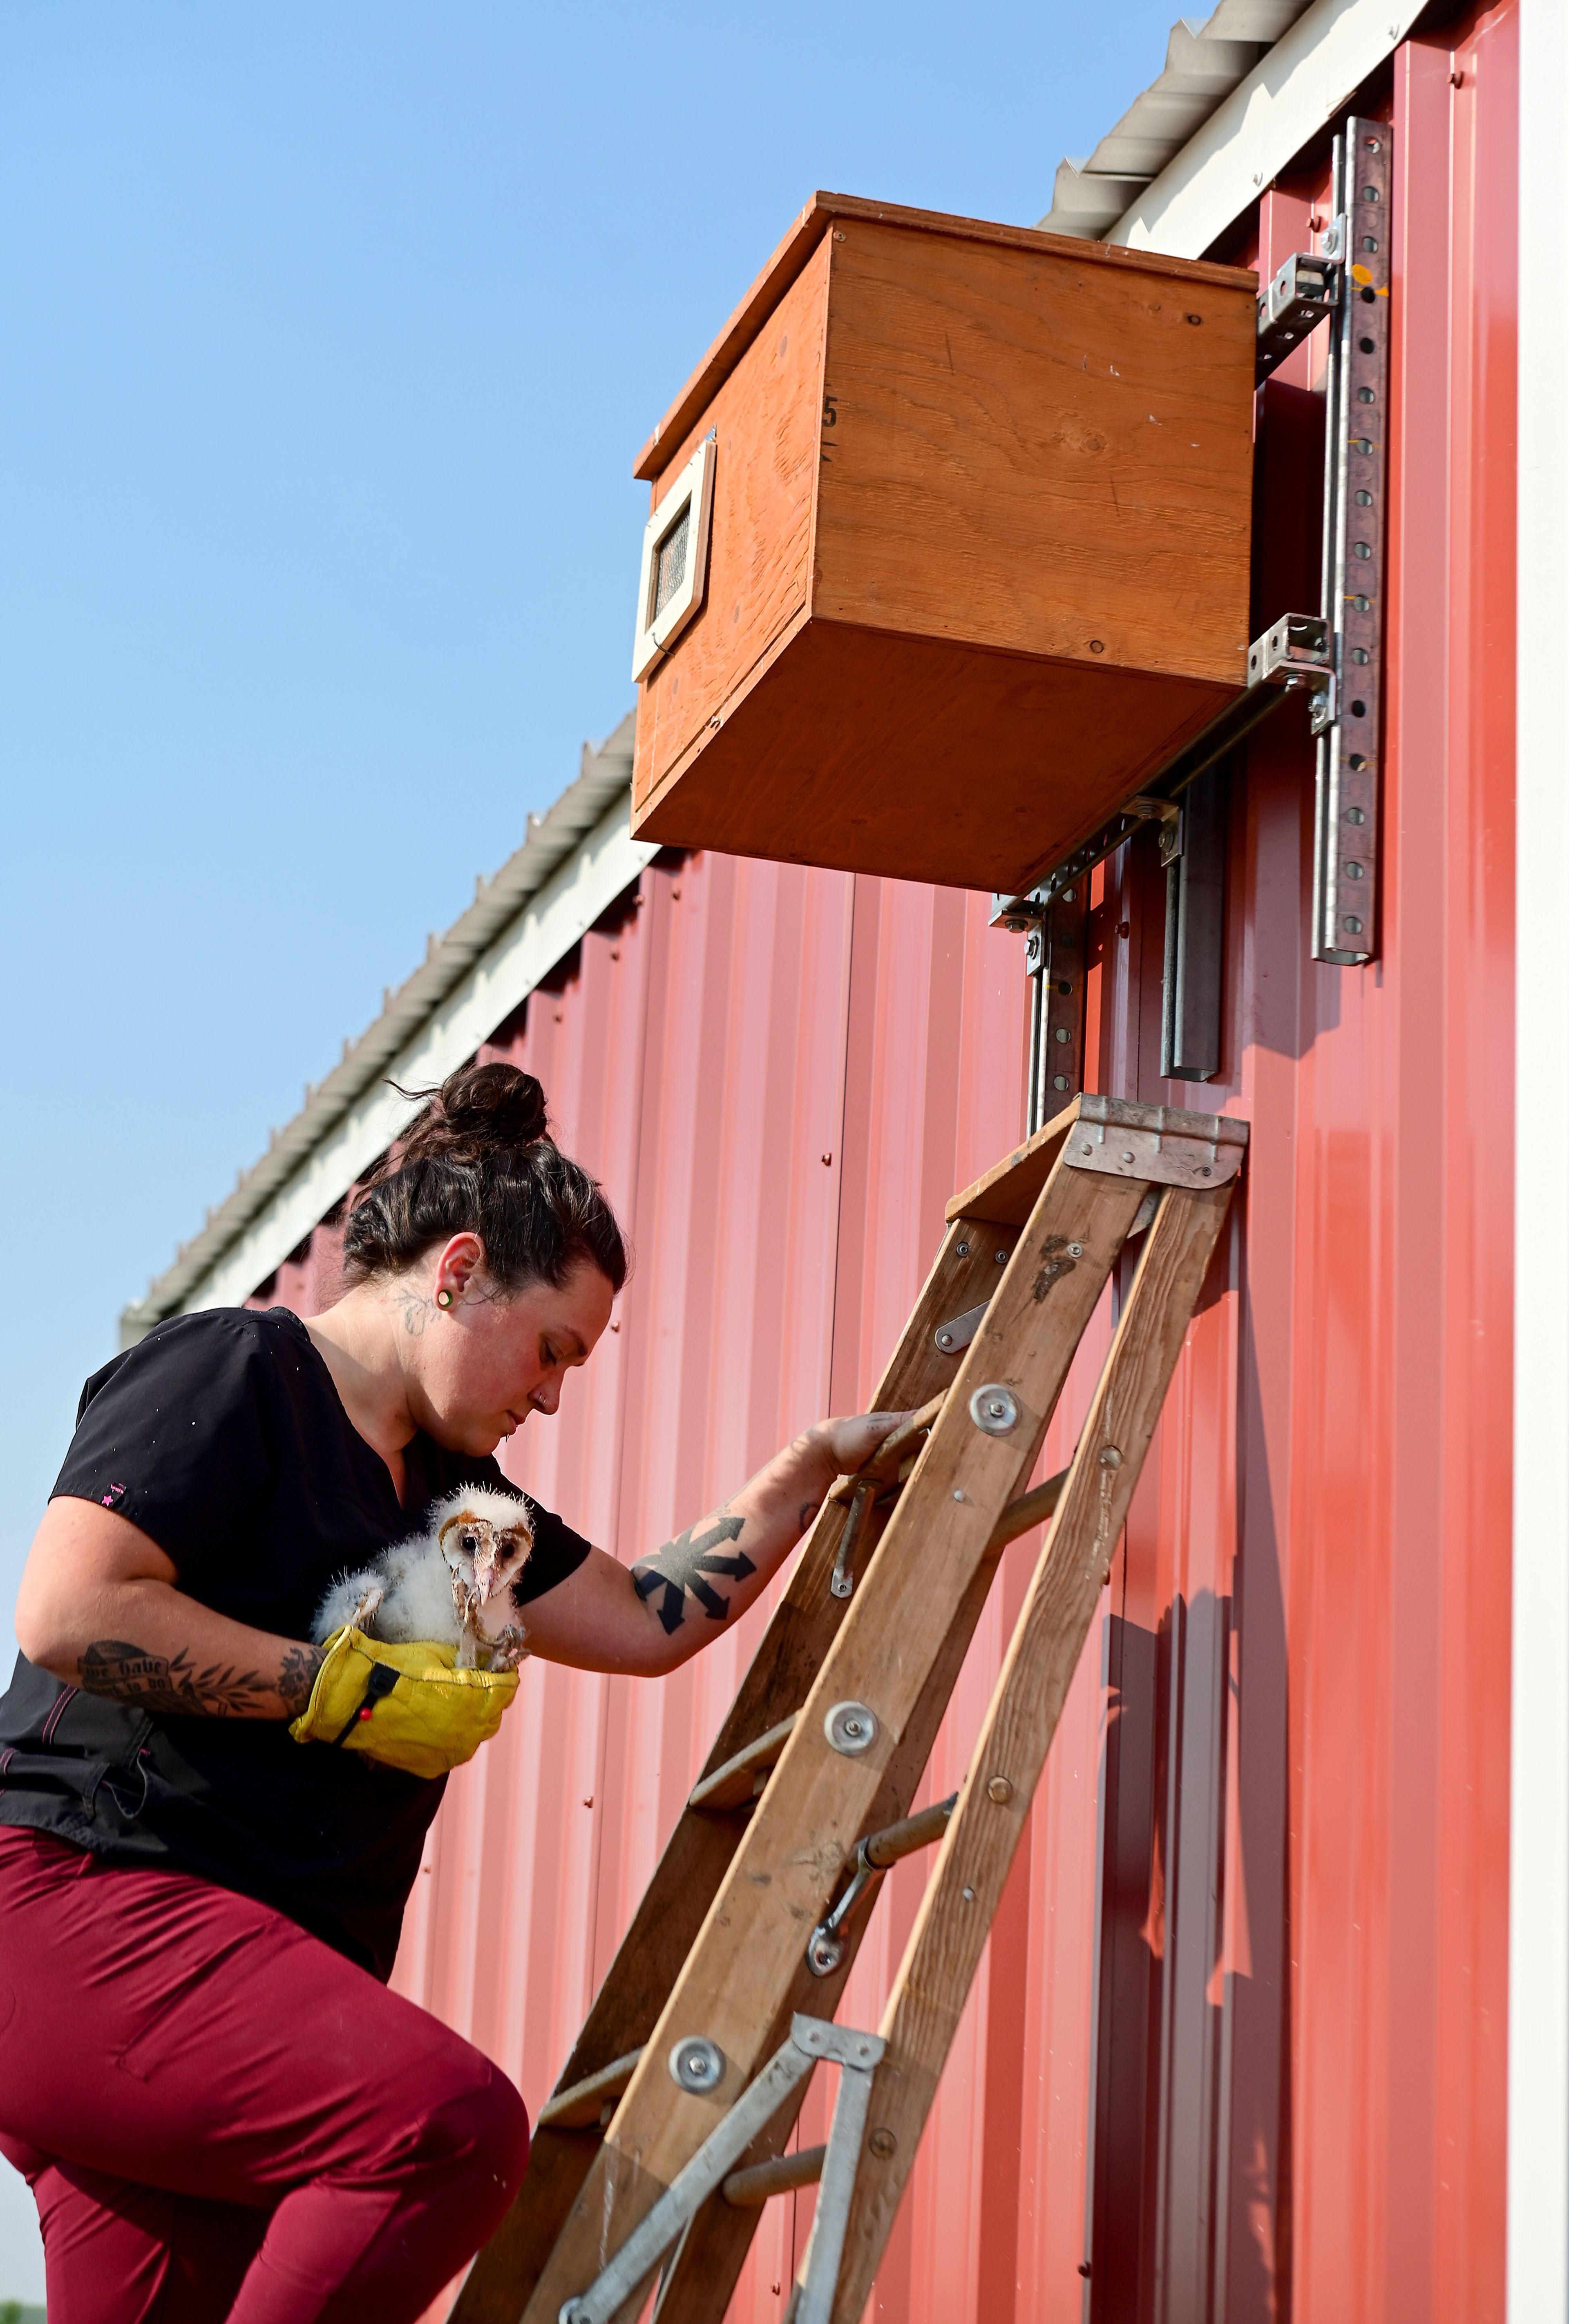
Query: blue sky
(328, 335)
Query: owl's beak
(487, 1570)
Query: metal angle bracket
(960, 1330)
(1053, 929)
(1178, 1148)
(1305, 291)
(1297, 652)
(858, 2056)
(1356, 478)
(1294, 656)
(807, 2041)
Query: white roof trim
(1304, 82)
(1241, 96)
(576, 859)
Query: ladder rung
(755, 2184)
(581, 2104)
(884, 1462)
(898, 1841)
(1030, 1509)
(893, 1449)
(733, 1784)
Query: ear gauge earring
(444, 1297)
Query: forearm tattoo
(176, 1687)
(680, 1567)
(297, 1677)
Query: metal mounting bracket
(1337, 655)
(858, 2056)
(808, 2038)
(1345, 856)
(1053, 928)
(1304, 293)
(1178, 1150)
(1293, 656)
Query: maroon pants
(222, 2117)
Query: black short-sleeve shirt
(223, 1437)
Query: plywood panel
(942, 761)
(1036, 451)
(766, 418)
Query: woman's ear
(457, 1266)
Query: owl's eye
(469, 1539)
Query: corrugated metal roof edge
(1254, 81)
(551, 840)
(1204, 64)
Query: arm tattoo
(129, 1673)
(297, 1677)
(680, 1565)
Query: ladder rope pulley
(665, 2133)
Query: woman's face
(482, 1361)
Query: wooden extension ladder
(668, 2126)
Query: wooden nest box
(948, 547)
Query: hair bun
(478, 1110)
(495, 1105)
(478, 1159)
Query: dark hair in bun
(479, 1160)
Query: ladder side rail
(817, 1804)
(707, 2268)
(695, 1857)
(956, 1912)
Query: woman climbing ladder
(221, 2109)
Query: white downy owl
(451, 1584)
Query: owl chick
(451, 1584)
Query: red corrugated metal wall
(1237, 2049)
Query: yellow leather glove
(407, 1706)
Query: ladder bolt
(999, 1790)
(994, 1409)
(1111, 1457)
(698, 2064)
(969, 1895)
(961, 1251)
(882, 2144)
(851, 1727)
(1000, 1257)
